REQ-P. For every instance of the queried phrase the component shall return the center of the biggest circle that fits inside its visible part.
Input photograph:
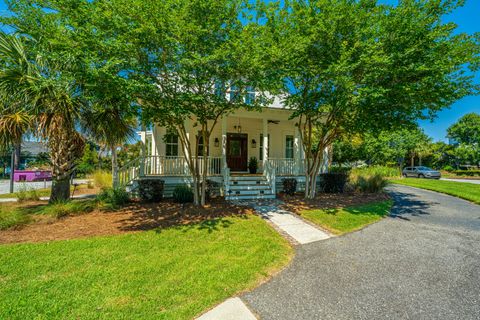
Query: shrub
(469, 173)
(10, 217)
(115, 197)
(61, 209)
(333, 182)
(102, 179)
(151, 190)
(339, 169)
(27, 194)
(289, 186)
(372, 184)
(252, 165)
(383, 171)
(212, 188)
(448, 168)
(183, 194)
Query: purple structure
(32, 175)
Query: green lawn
(348, 219)
(173, 273)
(464, 190)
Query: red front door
(237, 152)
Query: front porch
(269, 136)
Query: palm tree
(49, 95)
(111, 127)
(14, 124)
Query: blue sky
(467, 19)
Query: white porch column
(224, 142)
(188, 129)
(265, 142)
(298, 151)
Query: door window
(235, 148)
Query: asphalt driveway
(423, 262)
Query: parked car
(421, 172)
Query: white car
(421, 172)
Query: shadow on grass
(158, 216)
(407, 205)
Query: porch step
(247, 178)
(250, 197)
(249, 187)
(262, 186)
(251, 192)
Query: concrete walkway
(462, 180)
(292, 225)
(231, 309)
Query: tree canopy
(349, 67)
(466, 130)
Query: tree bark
(12, 172)
(60, 190)
(66, 146)
(18, 151)
(114, 167)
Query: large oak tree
(356, 66)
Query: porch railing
(129, 172)
(286, 166)
(178, 166)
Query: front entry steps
(249, 187)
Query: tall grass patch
(65, 208)
(102, 179)
(383, 171)
(25, 193)
(12, 217)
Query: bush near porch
(171, 273)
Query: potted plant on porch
(253, 165)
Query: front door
(237, 152)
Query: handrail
(129, 172)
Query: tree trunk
(18, 151)
(115, 181)
(12, 172)
(66, 146)
(205, 167)
(412, 161)
(60, 190)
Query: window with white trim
(171, 145)
(289, 147)
(250, 96)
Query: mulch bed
(132, 218)
(297, 203)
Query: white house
(268, 135)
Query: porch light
(217, 143)
(238, 127)
(254, 143)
